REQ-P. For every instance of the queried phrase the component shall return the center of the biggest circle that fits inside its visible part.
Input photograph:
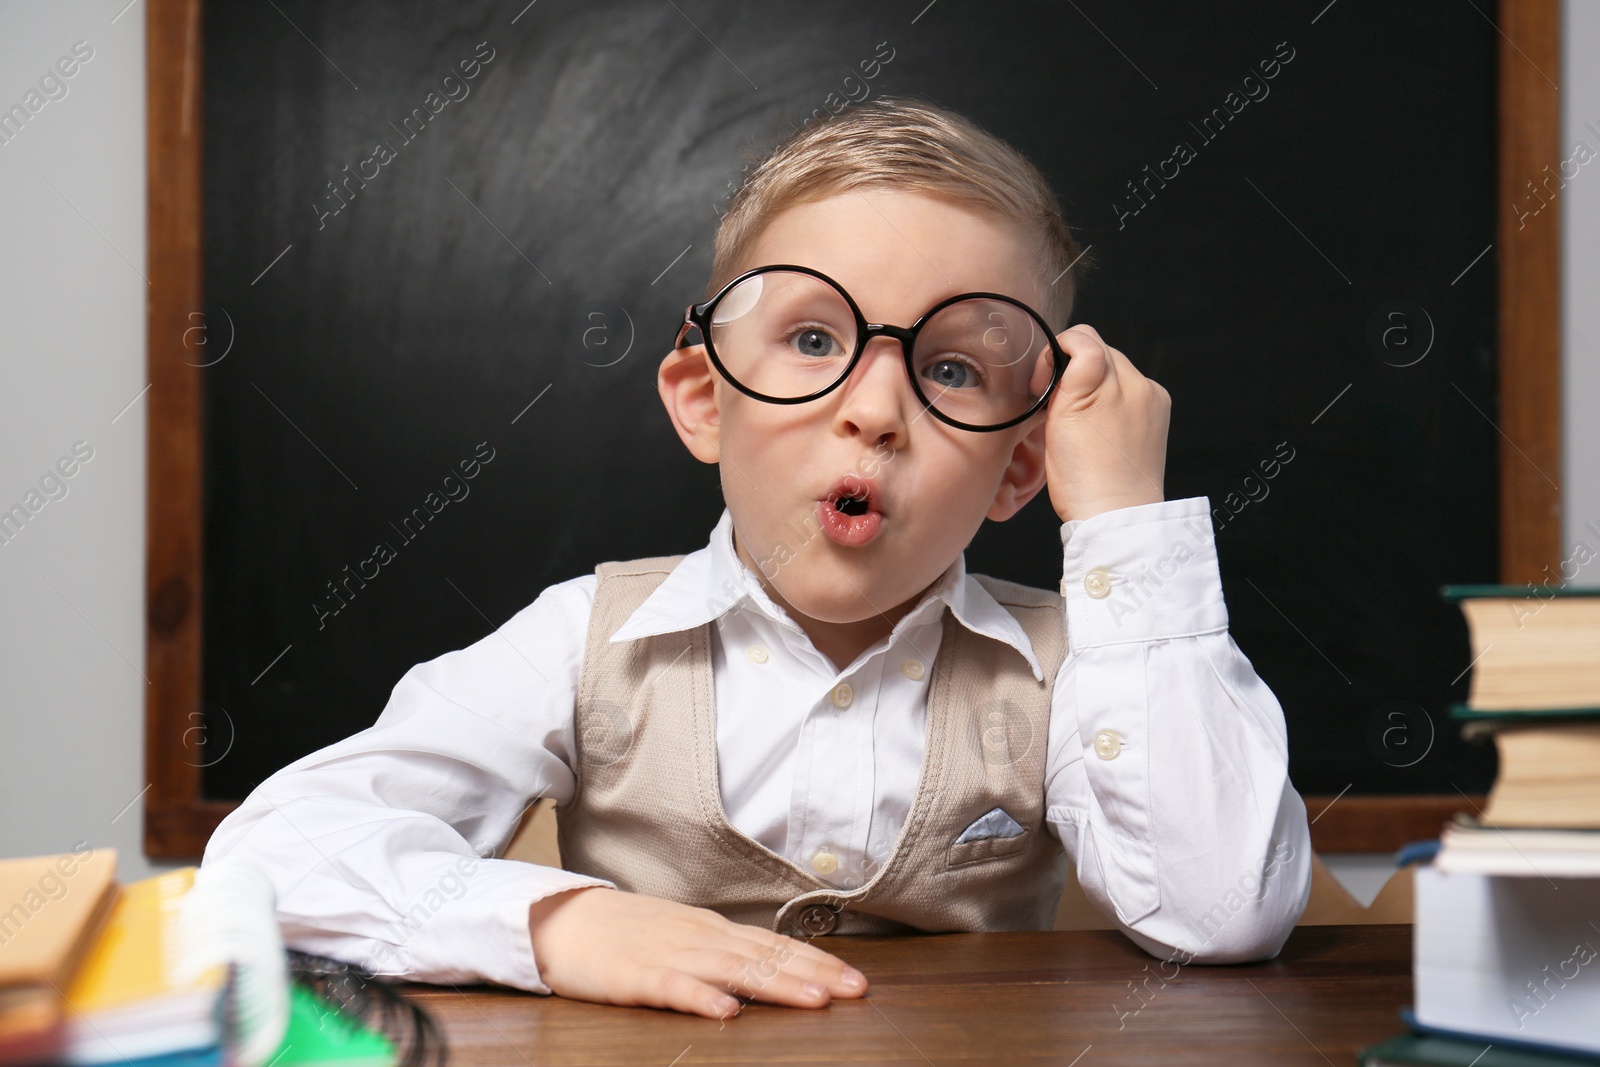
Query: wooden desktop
(1078, 994)
(1084, 997)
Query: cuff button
(1107, 744)
(1098, 583)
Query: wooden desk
(988, 998)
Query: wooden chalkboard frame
(178, 819)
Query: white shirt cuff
(1143, 573)
(491, 915)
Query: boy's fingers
(1088, 362)
(1135, 385)
(1043, 367)
(767, 941)
(676, 990)
(739, 974)
(831, 967)
(1122, 366)
(805, 962)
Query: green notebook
(320, 1034)
(1431, 1050)
(1474, 592)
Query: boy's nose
(875, 398)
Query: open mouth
(852, 505)
(851, 514)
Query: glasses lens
(783, 334)
(983, 362)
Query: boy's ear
(1023, 477)
(688, 389)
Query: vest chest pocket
(964, 853)
(992, 835)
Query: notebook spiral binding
(375, 1003)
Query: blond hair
(905, 143)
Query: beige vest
(647, 810)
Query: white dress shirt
(1166, 776)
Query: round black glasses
(786, 335)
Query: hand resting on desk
(613, 947)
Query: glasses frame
(698, 316)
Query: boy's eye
(950, 373)
(815, 343)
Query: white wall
(72, 300)
(72, 358)
(1580, 263)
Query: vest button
(842, 694)
(824, 862)
(1098, 583)
(818, 920)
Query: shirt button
(824, 862)
(1107, 744)
(1098, 582)
(912, 669)
(842, 694)
(756, 654)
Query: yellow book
(130, 997)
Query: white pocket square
(992, 824)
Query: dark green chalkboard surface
(1290, 206)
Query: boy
(820, 723)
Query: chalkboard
(1291, 206)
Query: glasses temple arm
(687, 325)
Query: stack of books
(1507, 937)
(185, 969)
(52, 908)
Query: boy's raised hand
(613, 947)
(1105, 431)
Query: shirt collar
(712, 581)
